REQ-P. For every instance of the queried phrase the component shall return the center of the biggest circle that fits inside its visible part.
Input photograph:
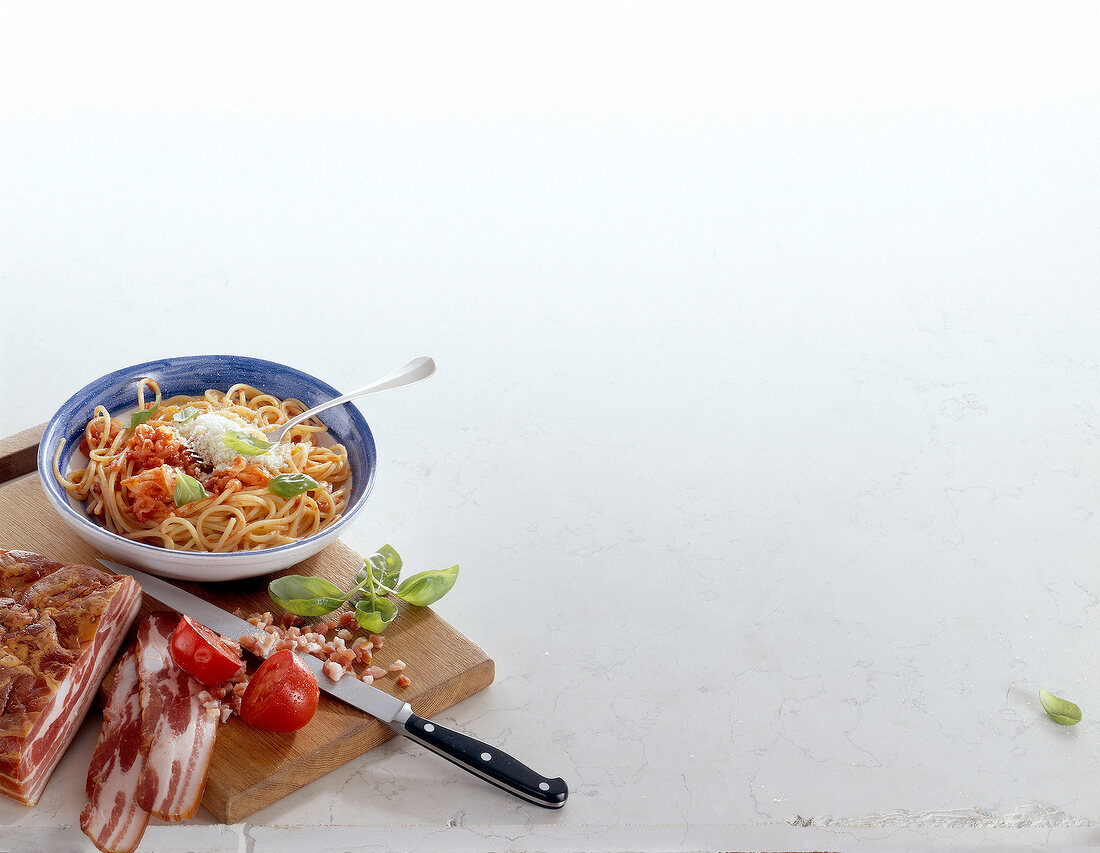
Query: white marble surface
(766, 422)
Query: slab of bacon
(113, 819)
(60, 629)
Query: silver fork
(414, 371)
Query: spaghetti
(171, 481)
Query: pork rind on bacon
(60, 629)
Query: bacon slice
(113, 819)
(179, 722)
(60, 628)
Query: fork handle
(413, 371)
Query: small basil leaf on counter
(374, 614)
(427, 587)
(142, 415)
(187, 489)
(305, 595)
(289, 485)
(385, 564)
(185, 414)
(246, 443)
(1062, 711)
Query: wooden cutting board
(251, 768)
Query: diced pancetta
(60, 629)
(178, 722)
(113, 819)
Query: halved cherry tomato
(281, 695)
(202, 654)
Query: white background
(765, 425)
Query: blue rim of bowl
(82, 405)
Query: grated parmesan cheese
(204, 436)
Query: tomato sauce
(154, 452)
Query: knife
(488, 762)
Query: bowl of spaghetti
(164, 465)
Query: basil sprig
(246, 443)
(289, 485)
(142, 415)
(379, 578)
(187, 489)
(1062, 711)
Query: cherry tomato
(202, 654)
(281, 695)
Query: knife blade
(472, 755)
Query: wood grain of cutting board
(252, 768)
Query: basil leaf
(187, 489)
(142, 415)
(385, 564)
(427, 587)
(184, 415)
(138, 418)
(246, 443)
(289, 485)
(1062, 711)
(305, 595)
(374, 614)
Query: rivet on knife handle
(488, 762)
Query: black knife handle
(488, 762)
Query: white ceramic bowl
(192, 375)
